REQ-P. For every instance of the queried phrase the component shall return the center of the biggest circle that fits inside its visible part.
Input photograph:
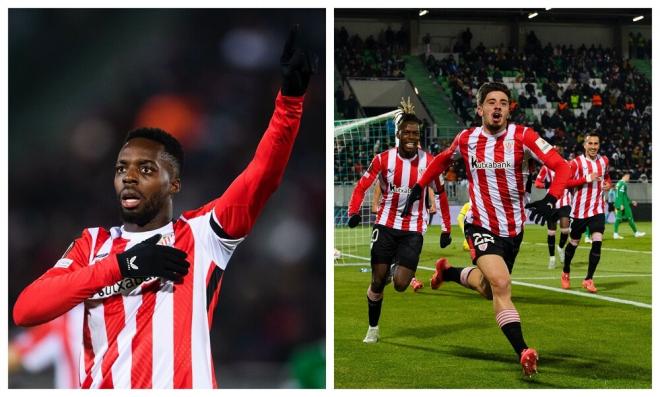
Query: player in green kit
(623, 209)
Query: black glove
(445, 239)
(297, 66)
(354, 220)
(147, 259)
(543, 210)
(415, 194)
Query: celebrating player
(494, 156)
(395, 236)
(622, 207)
(544, 180)
(588, 208)
(150, 286)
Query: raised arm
(238, 208)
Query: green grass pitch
(448, 338)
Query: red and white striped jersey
(546, 175)
(57, 343)
(588, 198)
(494, 164)
(396, 176)
(150, 332)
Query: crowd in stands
(375, 57)
(561, 91)
(575, 89)
(380, 56)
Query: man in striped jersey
(150, 286)
(394, 235)
(543, 181)
(494, 156)
(588, 208)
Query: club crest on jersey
(509, 146)
(481, 240)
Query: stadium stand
(582, 88)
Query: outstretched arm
(238, 208)
(240, 205)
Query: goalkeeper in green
(622, 207)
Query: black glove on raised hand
(147, 259)
(354, 220)
(297, 66)
(445, 239)
(543, 210)
(415, 194)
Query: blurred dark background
(79, 80)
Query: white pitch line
(545, 287)
(584, 294)
(602, 248)
(599, 276)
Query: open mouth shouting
(130, 199)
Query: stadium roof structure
(558, 15)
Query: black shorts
(484, 242)
(564, 212)
(595, 223)
(610, 207)
(388, 243)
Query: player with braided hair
(394, 235)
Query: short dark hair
(173, 148)
(489, 87)
(590, 134)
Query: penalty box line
(538, 286)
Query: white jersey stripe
(200, 349)
(510, 155)
(405, 181)
(121, 368)
(162, 375)
(99, 342)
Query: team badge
(509, 146)
(481, 240)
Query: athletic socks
(568, 257)
(509, 322)
(452, 274)
(551, 243)
(374, 311)
(563, 237)
(594, 258)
